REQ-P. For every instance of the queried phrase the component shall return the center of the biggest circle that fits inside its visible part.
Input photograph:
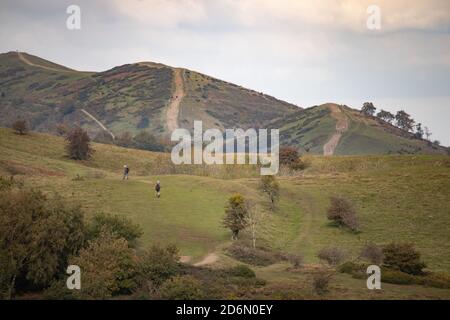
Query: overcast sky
(304, 52)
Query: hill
(157, 98)
(335, 129)
(398, 198)
(133, 97)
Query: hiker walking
(126, 171)
(158, 189)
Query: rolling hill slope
(157, 98)
(133, 97)
(398, 198)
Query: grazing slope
(398, 198)
(335, 129)
(133, 97)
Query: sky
(303, 52)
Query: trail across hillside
(174, 106)
(101, 125)
(25, 60)
(341, 127)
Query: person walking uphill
(126, 171)
(158, 189)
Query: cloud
(350, 15)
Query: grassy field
(398, 198)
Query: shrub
(290, 157)
(58, 291)
(270, 186)
(253, 256)
(36, 238)
(158, 265)
(396, 277)
(373, 253)
(321, 282)
(118, 225)
(236, 215)
(78, 144)
(333, 256)
(108, 267)
(20, 127)
(181, 288)
(403, 257)
(242, 271)
(343, 213)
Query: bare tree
(254, 218)
(428, 133)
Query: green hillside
(132, 97)
(310, 129)
(398, 198)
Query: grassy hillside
(310, 129)
(398, 198)
(132, 97)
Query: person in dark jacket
(126, 171)
(158, 189)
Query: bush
(333, 256)
(120, 226)
(343, 213)
(403, 257)
(36, 238)
(253, 256)
(242, 271)
(108, 267)
(181, 288)
(58, 291)
(270, 186)
(373, 253)
(236, 215)
(78, 144)
(321, 282)
(290, 157)
(396, 277)
(158, 265)
(20, 127)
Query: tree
(428, 133)
(118, 225)
(404, 120)
(62, 129)
(157, 265)
(419, 131)
(20, 126)
(254, 218)
(146, 141)
(368, 108)
(270, 186)
(79, 144)
(236, 215)
(108, 265)
(386, 116)
(125, 140)
(36, 238)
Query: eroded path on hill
(101, 125)
(342, 124)
(28, 62)
(173, 108)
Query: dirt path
(209, 259)
(99, 123)
(341, 127)
(174, 106)
(25, 60)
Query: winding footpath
(342, 124)
(173, 109)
